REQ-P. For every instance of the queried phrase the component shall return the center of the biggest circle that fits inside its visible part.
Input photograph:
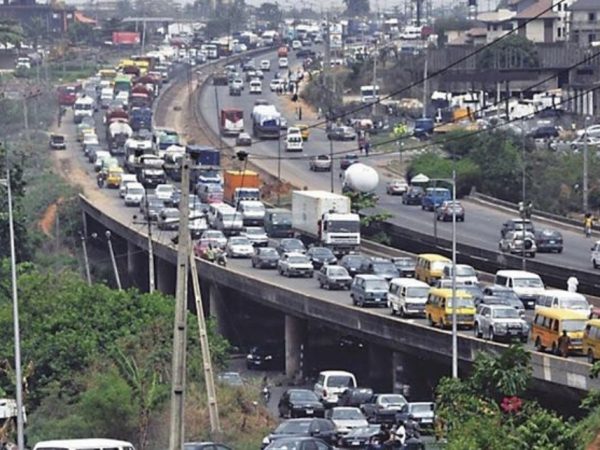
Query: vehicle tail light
(324, 392)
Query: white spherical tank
(362, 178)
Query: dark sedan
(291, 245)
(265, 258)
(334, 277)
(548, 241)
(151, 206)
(204, 446)
(300, 443)
(413, 195)
(355, 397)
(320, 256)
(348, 160)
(384, 268)
(342, 133)
(265, 357)
(355, 264)
(359, 437)
(315, 427)
(405, 265)
(300, 403)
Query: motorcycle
(266, 393)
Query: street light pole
(523, 182)
(16, 328)
(279, 168)
(331, 162)
(454, 324)
(585, 167)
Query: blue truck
(434, 197)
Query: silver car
(499, 322)
(513, 242)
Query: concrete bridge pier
(380, 368)
(165, 277)
(295, 346)
(137, 267)
(217, 307)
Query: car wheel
(538, 345)
(402, 312)
(555, 349)
(590, 356)
(253, 264)
(477, 331)
(430, 320)
(491, 335)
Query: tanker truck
(325, 219)
(360, 178)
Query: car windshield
(527, 283)
(353, 261)
(239, 241)
(293, 244)
(269, 252)
(254, 208)
(573, 325)
(213, 235)
(464, 271)
(281, 218)
(304, 396)
(320, 251)
(230, 217)
(298, 260)
(461, 302)
(420, 408)
(438, 265)
(505, 313)
(337, 272)
(392, 400)
(417, 291)
(343, 226)
(136, 191)
(255, 231)
(347, 414)
(362, 431)
(376, 285)
(293, 427)
(404, 262)
(575, 303)
(384, 267)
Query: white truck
(327, 219)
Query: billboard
(125, 38)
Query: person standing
(588, 223)
(572, 284)
(564, 342)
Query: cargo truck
(240, 185)
(326, 218)
(206, 164)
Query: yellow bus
(591, 340)
(430, 267)
(107, 74)
(549, 323)
(438, 308)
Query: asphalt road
(482, 224)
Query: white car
(134, 192)
(591, 131)
(347, 418)
(283, 63)
(275, 84)
(101, 155)
(296, 45)
(256, 235)
(126, 178)
(198, 224)
(255, 87)
(164, 191)
(216, 237)
(89, 139)
(465, 274)
(265, 65)
(295, 264)
(239, 247)
(237, 83)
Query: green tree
(270, 13)
(356, 7)
(10, 32)
(513, 51)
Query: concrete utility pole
(209, 376)
(425, 82)
(585, 167)
(375, 90)
(86, 260)
(151, 277)
(16, 327)
(113, 259)
(176, 434)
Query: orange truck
(282, 52)
(240, 185)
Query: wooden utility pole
(178, 368)
(209, 379)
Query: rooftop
(585, 5)
(542, 9)
(502, 15)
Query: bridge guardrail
(485, 260)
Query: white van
(252, 211)
(84, 444)
(558, 298)
(407, 296)
(134, 192)
(331, 384)
(83, 107)
(527, 285)
(229, 221)
(293, 142)
(106, 96)
(255, 87)
(126, 178)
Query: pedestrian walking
(367, 148)
(300, 113)
(588, 223)
(572, 284)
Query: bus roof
(83, 444)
